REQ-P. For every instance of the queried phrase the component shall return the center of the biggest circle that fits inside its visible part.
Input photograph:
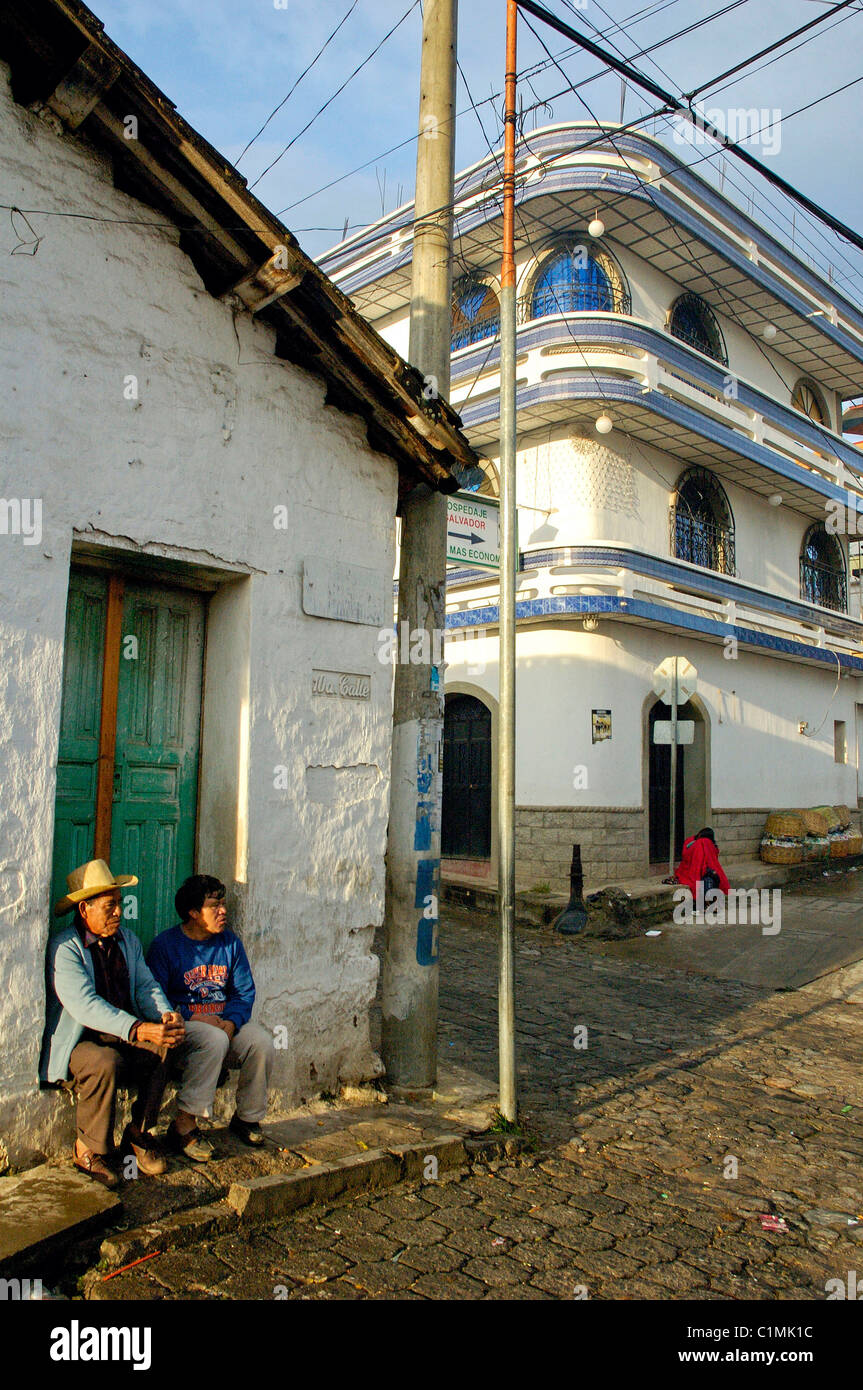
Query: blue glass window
(694, 323)
(475, 314)
(572, 281)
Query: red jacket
(699, 855)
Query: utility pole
(508, 1102)
(410, 973)
(672, 848)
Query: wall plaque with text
(344, 685)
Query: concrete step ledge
(47, 1209)
(259, 1200)
(649, 900)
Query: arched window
(808, 400)
(702, 527)
(577, 279)
(694, 322)
(822, 569)
(475, 313)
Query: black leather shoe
(248, 1130)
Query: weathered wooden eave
(62, 60)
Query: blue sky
(227, 63)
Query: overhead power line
(648, 192)
(675, 103)
(779, 57)
(771, 48)
(276, 109)
(757, 191)
(337, 92)
(649, 11)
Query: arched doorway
(692, 810)
(466, 810)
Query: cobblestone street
(698, 1105)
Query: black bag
(710, 881)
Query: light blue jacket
(73, 1004)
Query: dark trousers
(98, 1068)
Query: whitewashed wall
(221, 434)
(753, 705)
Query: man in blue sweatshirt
(203, 969)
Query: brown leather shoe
(147, 1152)
(94, 1166)
(191, 1145)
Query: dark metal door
(466, 813)
(659, 765)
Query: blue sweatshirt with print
(204, 977)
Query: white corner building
(682, 476)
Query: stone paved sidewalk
(685, 1080)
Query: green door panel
(77, 759)
(157, 750)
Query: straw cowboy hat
(88, 881)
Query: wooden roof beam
(82, 88)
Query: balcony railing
(483, 326)
(823, 585)
(701, 542)
(574, 299)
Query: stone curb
(258, 1200)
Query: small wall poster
(600, 720)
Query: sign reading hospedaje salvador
(473, 530)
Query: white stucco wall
(220, 435)
(753, 705)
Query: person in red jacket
(700, 858)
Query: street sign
(473, 530)
(685, 731)
(663, 680)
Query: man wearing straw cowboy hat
(108, 1023)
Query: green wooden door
(157, 748)
(77, 760)
(156, 745)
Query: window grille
(693, 321)
(702, 527)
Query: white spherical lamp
(768, 332)
(775, 499)
(596, 227)
(604, 424)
